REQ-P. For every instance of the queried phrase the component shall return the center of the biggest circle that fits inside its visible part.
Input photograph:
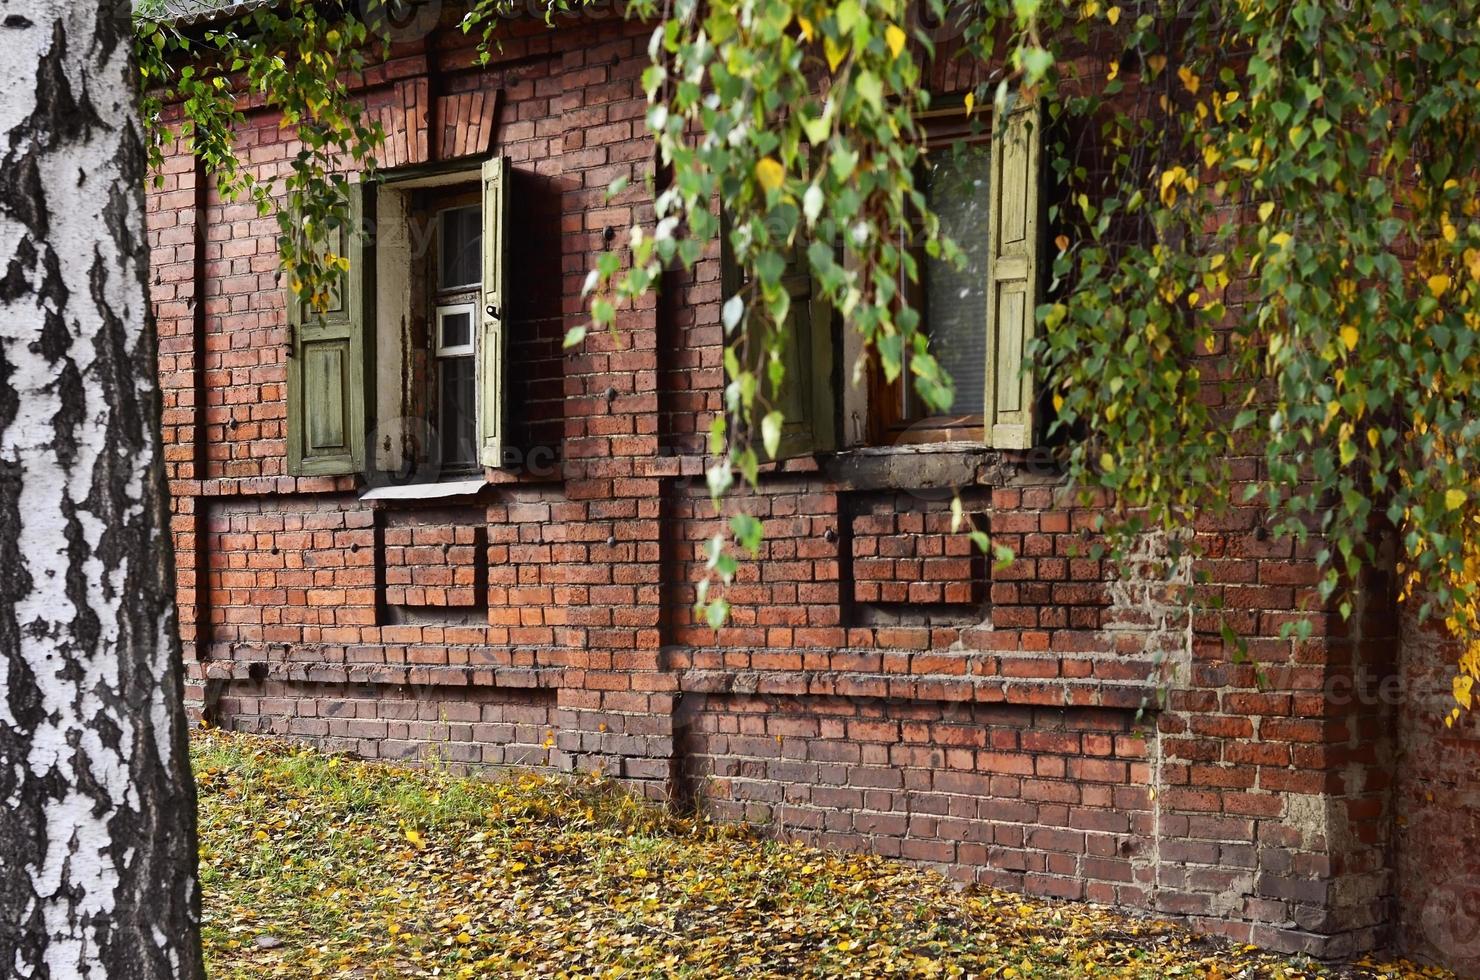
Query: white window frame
(445, 310)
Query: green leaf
(771, 427)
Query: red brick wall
(879, 685)
(1437, 801)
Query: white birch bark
(97, 806)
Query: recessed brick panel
(435, 559)
(905, 553)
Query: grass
(322, 866)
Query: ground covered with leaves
(314, 865)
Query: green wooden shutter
(328, 361)
(1012, 278)
(491, 339)
(807, 397)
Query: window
(952, 301)
(457, 399)
(977, 319)
(455, 277)
(404, 374)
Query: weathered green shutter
(328, 360)
(491, 336)
(807, 397)
(1012, 278)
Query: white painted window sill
(427, 491)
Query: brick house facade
(879, 687)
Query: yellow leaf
(1211, 155)
(1462, 685)
(1265, 210)
(1058, 402)
(1349, 337)
(1372, 437)
(1280, 239)
(1190, 81)
(1062, 242)
(1113, 15)
(895, 38)
(1455, 498)
(769, 173)
(807, 29)
(1114, 70)
(836, 51)
(464, 938)
(970, 102)
(415, 838)
(1156, 63)
(1438, 284)
(1450, 232)
(1169, 180)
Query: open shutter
(1012, 278)
(491, 337)
(807, 397)
(328, 360)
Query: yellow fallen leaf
(416, 838)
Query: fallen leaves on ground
(320, 866)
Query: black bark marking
(16, 282)
(21, 193)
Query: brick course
(1048, 726)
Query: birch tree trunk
(97, 806)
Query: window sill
(428, 491)
(937, 465)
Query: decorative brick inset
(465, 123)
(905, 553)
(436, 559)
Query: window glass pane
(456, 418)
(958, 187)
(462, 247)
(457, 329)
